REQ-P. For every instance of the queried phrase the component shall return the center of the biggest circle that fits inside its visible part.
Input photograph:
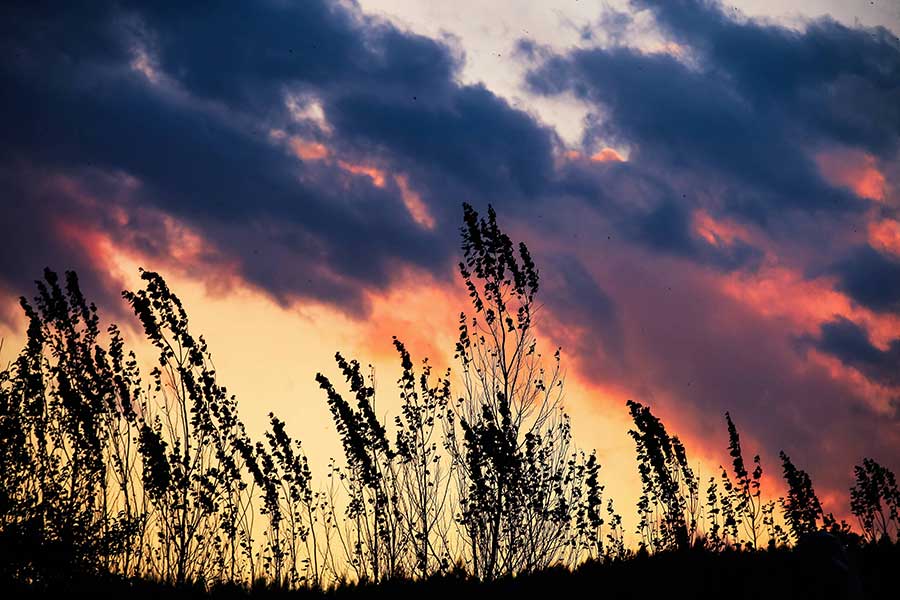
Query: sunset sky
(710, 191)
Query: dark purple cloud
(871, 278)
(200, 145)
(833, 82)
(850, 343)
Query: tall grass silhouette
(111, 476)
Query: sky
(711, 193)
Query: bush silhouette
(875, 501)
(669, 486)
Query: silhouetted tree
(512, 446)
(371, 476)
(875, 501)
(66, 501)
(195, 451)
(746, 489)
(670, 490)
(802, 510)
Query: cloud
(584, 311)
(718, 122)
(850, 343)
(871, 278)
(669, 228)
(692, 351)
(836, 83)
(197, 135)
(40, 211)
(248, 55)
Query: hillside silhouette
(123, 480)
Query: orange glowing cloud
(879, 398)
(779, 292)
(854, 170)
(413, 201)
(98, 246)
(671, 48)
(782, 293)
(717, 231)
(306, 150)
(607, 155)
(417, 209)
(176, 244)
(885, 236)
(604, 155)
(376, 175)
(310, 151)
(143, 64)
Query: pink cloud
(855, 170)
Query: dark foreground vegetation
(869, 572)
(118, 484)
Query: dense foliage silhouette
(139, 487)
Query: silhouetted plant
(587, 507)
(875, 501)
(715, 535)
(67, 504)
(670, 490)
(728, 500)
(745, 491)
(292, 506)
(802, 510)
(615, 537)
(588, 538)
(400, 501)
(371, 479)
(777, 536)
(195, 452)
(512, 447)
(425, 474)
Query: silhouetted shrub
(875, 501)
(66, 500)
(745, 491)
(802, 510)
(518, 482)
(196, 453)
(668, 505)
